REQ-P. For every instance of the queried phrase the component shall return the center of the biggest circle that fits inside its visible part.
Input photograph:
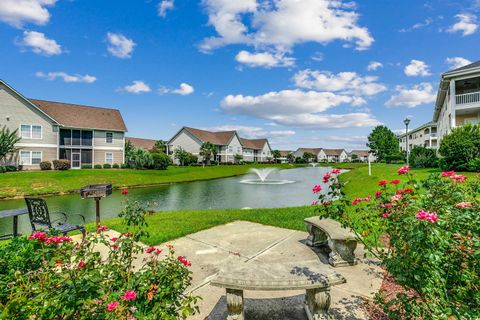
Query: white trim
(31, 131)
(36, 145)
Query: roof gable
(142, 143)
(218, 138)
(256, 144)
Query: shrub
(161, 161)
(11, 168)
(61, 164)
(460, 146)
(421, 157)
(300, 160)
(116, 166)
(124, 166)
(139, 158)
(474, 165)
(394, 158)
(431, 249)
(98, 166)
(107, 166)
(45, 165)
(51, 277)
(86, 166)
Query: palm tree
(8, 140)
(160, 145)
(207, 150)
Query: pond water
(212, 194)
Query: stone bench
(260, 276)
(332, 238)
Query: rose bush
(56, 278)
(427, 236)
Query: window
(30, 131)
(109, 137)
(109, 158)
(30, 157)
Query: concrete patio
(243, 242)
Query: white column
(453, 106)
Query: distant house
(228, 144)
(50, 130)
(147, 144)
(317, 153)
(362, 156)
(335, 155)
(284, 155)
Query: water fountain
(314, 164)
(262, 175)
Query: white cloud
(253, 132)
(318, 56)
(40, 44)
(137, 87)
(264, 59)
(164, 6)
(457, 62)
(343, 82)
(466, 24)
(75, 78)
(282, 24)
(374, 65)
(119, 45)
(297, 108)
(417, 68)
(18, 12)
(184, 89)
(418, 25)
(419, 94)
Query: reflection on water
(212, 194)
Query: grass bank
(166, 226)
(29, 183)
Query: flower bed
(433, 247)
(45, 276)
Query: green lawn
(165, 226)
(17, 184)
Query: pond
(223, 193)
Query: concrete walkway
(241, 242)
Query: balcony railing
(468, 98)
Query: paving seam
(217, 247)
(270, 246)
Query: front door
(76, 160)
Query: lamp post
(406, 121)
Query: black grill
(96, 191)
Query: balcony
(467, 98)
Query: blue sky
(313, 73)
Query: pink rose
(395, 181)
(314, 202)
(112, 306)
(396, 197)
(403, 170)
(81, 264)
(184, 261)
(114, 239)
(458, 178)
(129, 295)
(448, 173)
(327, 177)
(378, 194)
(382, 182)
(384, 215)
(336, 171)
(102, 228)
(317, 189)
(463, 205)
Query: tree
(307, 156)
(354, 157)
(276, 154)
(383, 142)
(8, 140)
(238, 158)
(140, 158)
(161, 161)
(160, 145)
(207, 150)
(290, 158)
(459, 147)
(181, 155)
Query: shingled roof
(473, 65)
(333, 152)
(80, 116)
(256, 144)
(285, 153)
(314, 151)
(360, 153)
(142, 143)
(219, 138)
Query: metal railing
(468, 98)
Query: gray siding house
(52, 130)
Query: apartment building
(49, 130)
(424, 136)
